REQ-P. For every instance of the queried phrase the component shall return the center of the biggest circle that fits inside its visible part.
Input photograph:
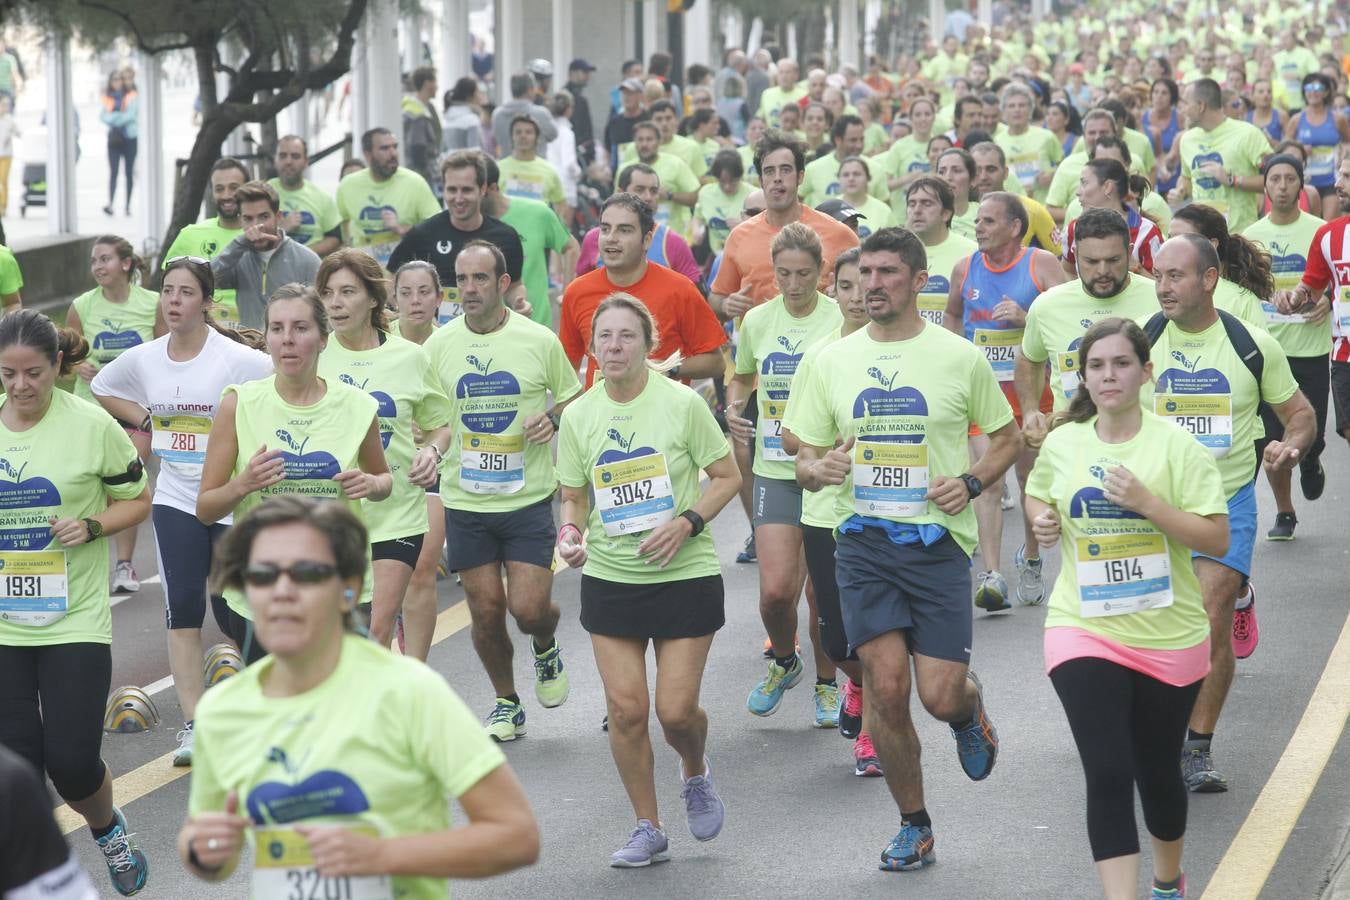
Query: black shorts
(404, 549)
(776, 501)
(183, 548)
(240, 631)
(523, 535)
(923, 591)
(1340, 396)
(751, 410)
(1314, 379)
(690, 607)
(819, 545)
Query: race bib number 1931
(33, 587)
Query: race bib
(449, 307)
(381, 247)
(633, 495)
(771, 414)
(890, 479)
(1026, 168)
(284, 870)
(932, 307)
(1123, 573)
(180, 439)
(1207, 416)
(1275, 317)
(1000, 348)
(1069, 380)
(492, 463)
(33, 587)
(1340, 319)
(1321, 163)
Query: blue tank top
(1271, 128)
(1321, 141)
(1166, 139)
(984, 288)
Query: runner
(1246, 279)
(821, 179)
(855, 173)
(118, 314)
(540, 230)
(1220, 157)
(210, 236)
(417, 293)
(903, 557)
(774, 336)
(992, 174)
(930, 207)
(1105, 184)
(335, 810)
(1126, 634)
(990, 295)
(1210, 382)
(683, 319)
(397, 374)
(310, 215)
(525, 173)
(262, 255)
(666, 248)
(679, 183)
(1320, 139)
(55, 650)
(1032, 152)
(1286, 233)
(292, 433)
(718, 209)
(498, 482)
(1105, 287)
(175, 383)
(37, 862)
(382, 202)
(818, 521)
(957, 167)
(639, 441)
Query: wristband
(568, 527)
(437, 450)
(695, 520)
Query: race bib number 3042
(633, 495)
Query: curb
(1338, 879)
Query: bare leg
(528, 596)
(1120, 877)
(1219, 585)
(679, 676)
(185, 664)
(419, 602)
(391, 582)
(988, 513)
(886, 686)
(782, 572)
(623, 669)
(486, 596)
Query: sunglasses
(1314, 88)
(195, 260)
(302, 572)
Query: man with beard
(208, 237)
(679, 184)
(309, 213)
(262, 255)
(382, 202)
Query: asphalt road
(798, 822)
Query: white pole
(153, 195)
(454, 42)
(61, 213)
(651, 14)
(510, 44)
(848, 32)
(562, 41)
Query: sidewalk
(1338, 881)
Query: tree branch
(135, 31)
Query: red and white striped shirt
(1329, 266)
(1145, 239)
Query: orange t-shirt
(746, 261)
(685, 321)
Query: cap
(580, 65)
(839, 210)
(1287, 159)
(1077, 69)
(631, 84)
(540, 68)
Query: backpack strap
(1154, 327)
(1244, 345)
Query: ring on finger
(212, 844)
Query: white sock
(1246, 599)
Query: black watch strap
(973, 485)
(695, 520)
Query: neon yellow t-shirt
(362, 201)
(675, 176)
(876, 215)
(1059, 317)
(317, 442)
(942, 260)
(495, 382)
(771, 345)
(1288, 246)
(909, 404)
(11, 279)
(774, 99)
(316, 207)
(964, 224)
(382, 743)
(1153, 204)
(111, 328)
(1236, 299)
(715, 208)
(1239, 147)
(1116, 558)
(751, 176)
(1029, 154)
(206, 239)
(687, 150)
(533, 179)
(641, 461)
(820, 181)
(905, 157)
(820, 509)
(1202, 385)
(60, 467)
(398, 375)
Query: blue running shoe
(646, 845)
(1176, 893)
(126, 863)
(768, 694)
(911, 849)
(977, 743)
(702, 805)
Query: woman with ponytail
(1127, 636)
(171, 387)
(1105, 184)
(70, 477)
(118, 314)
(1245, 279)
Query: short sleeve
(686, 180)
(707, 443)
(988, 407)
(702, 332)
(11, 279)
(569, 333)
(425, 205)
(447, 740)
(1033, 342)
(728, 280)
(572, 465)
(557, 236)
(1041, 481)
(562, 375)
(432, 409)
(120, 467)
(555, 190)
(327, 213)
(746, 363)
(1277, 378)
(120, 378)
(514, 252)
(1196, 483)
(808, 415)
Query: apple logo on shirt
(482, 412)
(25, 530)
(1091, 503)
(322, 794)
(299, 465)
(115, 338)
(385, 408)
(1285, 260)
(890, 401)
(371, 217)
(626, 452)
(1202, 180)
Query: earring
(350, 596)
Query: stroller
(34, 186)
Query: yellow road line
(1243, 871)
(160, 772)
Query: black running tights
(1129, 729)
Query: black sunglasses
(302, 572)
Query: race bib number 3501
(284, 870)
(1123, 573)
(633, 495)
(890, 479)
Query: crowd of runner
(1083, 274)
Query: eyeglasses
(302, 572)
(195, 260)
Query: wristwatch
(93, 529)
(973, 485)
(554, 419)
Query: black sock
(538, 652)
(1193, 735)
(917, 819)
(512, 698)
(787, 661)
(829, 681)
(103, 832)
(1167, 885)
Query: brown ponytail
(140, 269)
(1081, 407)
